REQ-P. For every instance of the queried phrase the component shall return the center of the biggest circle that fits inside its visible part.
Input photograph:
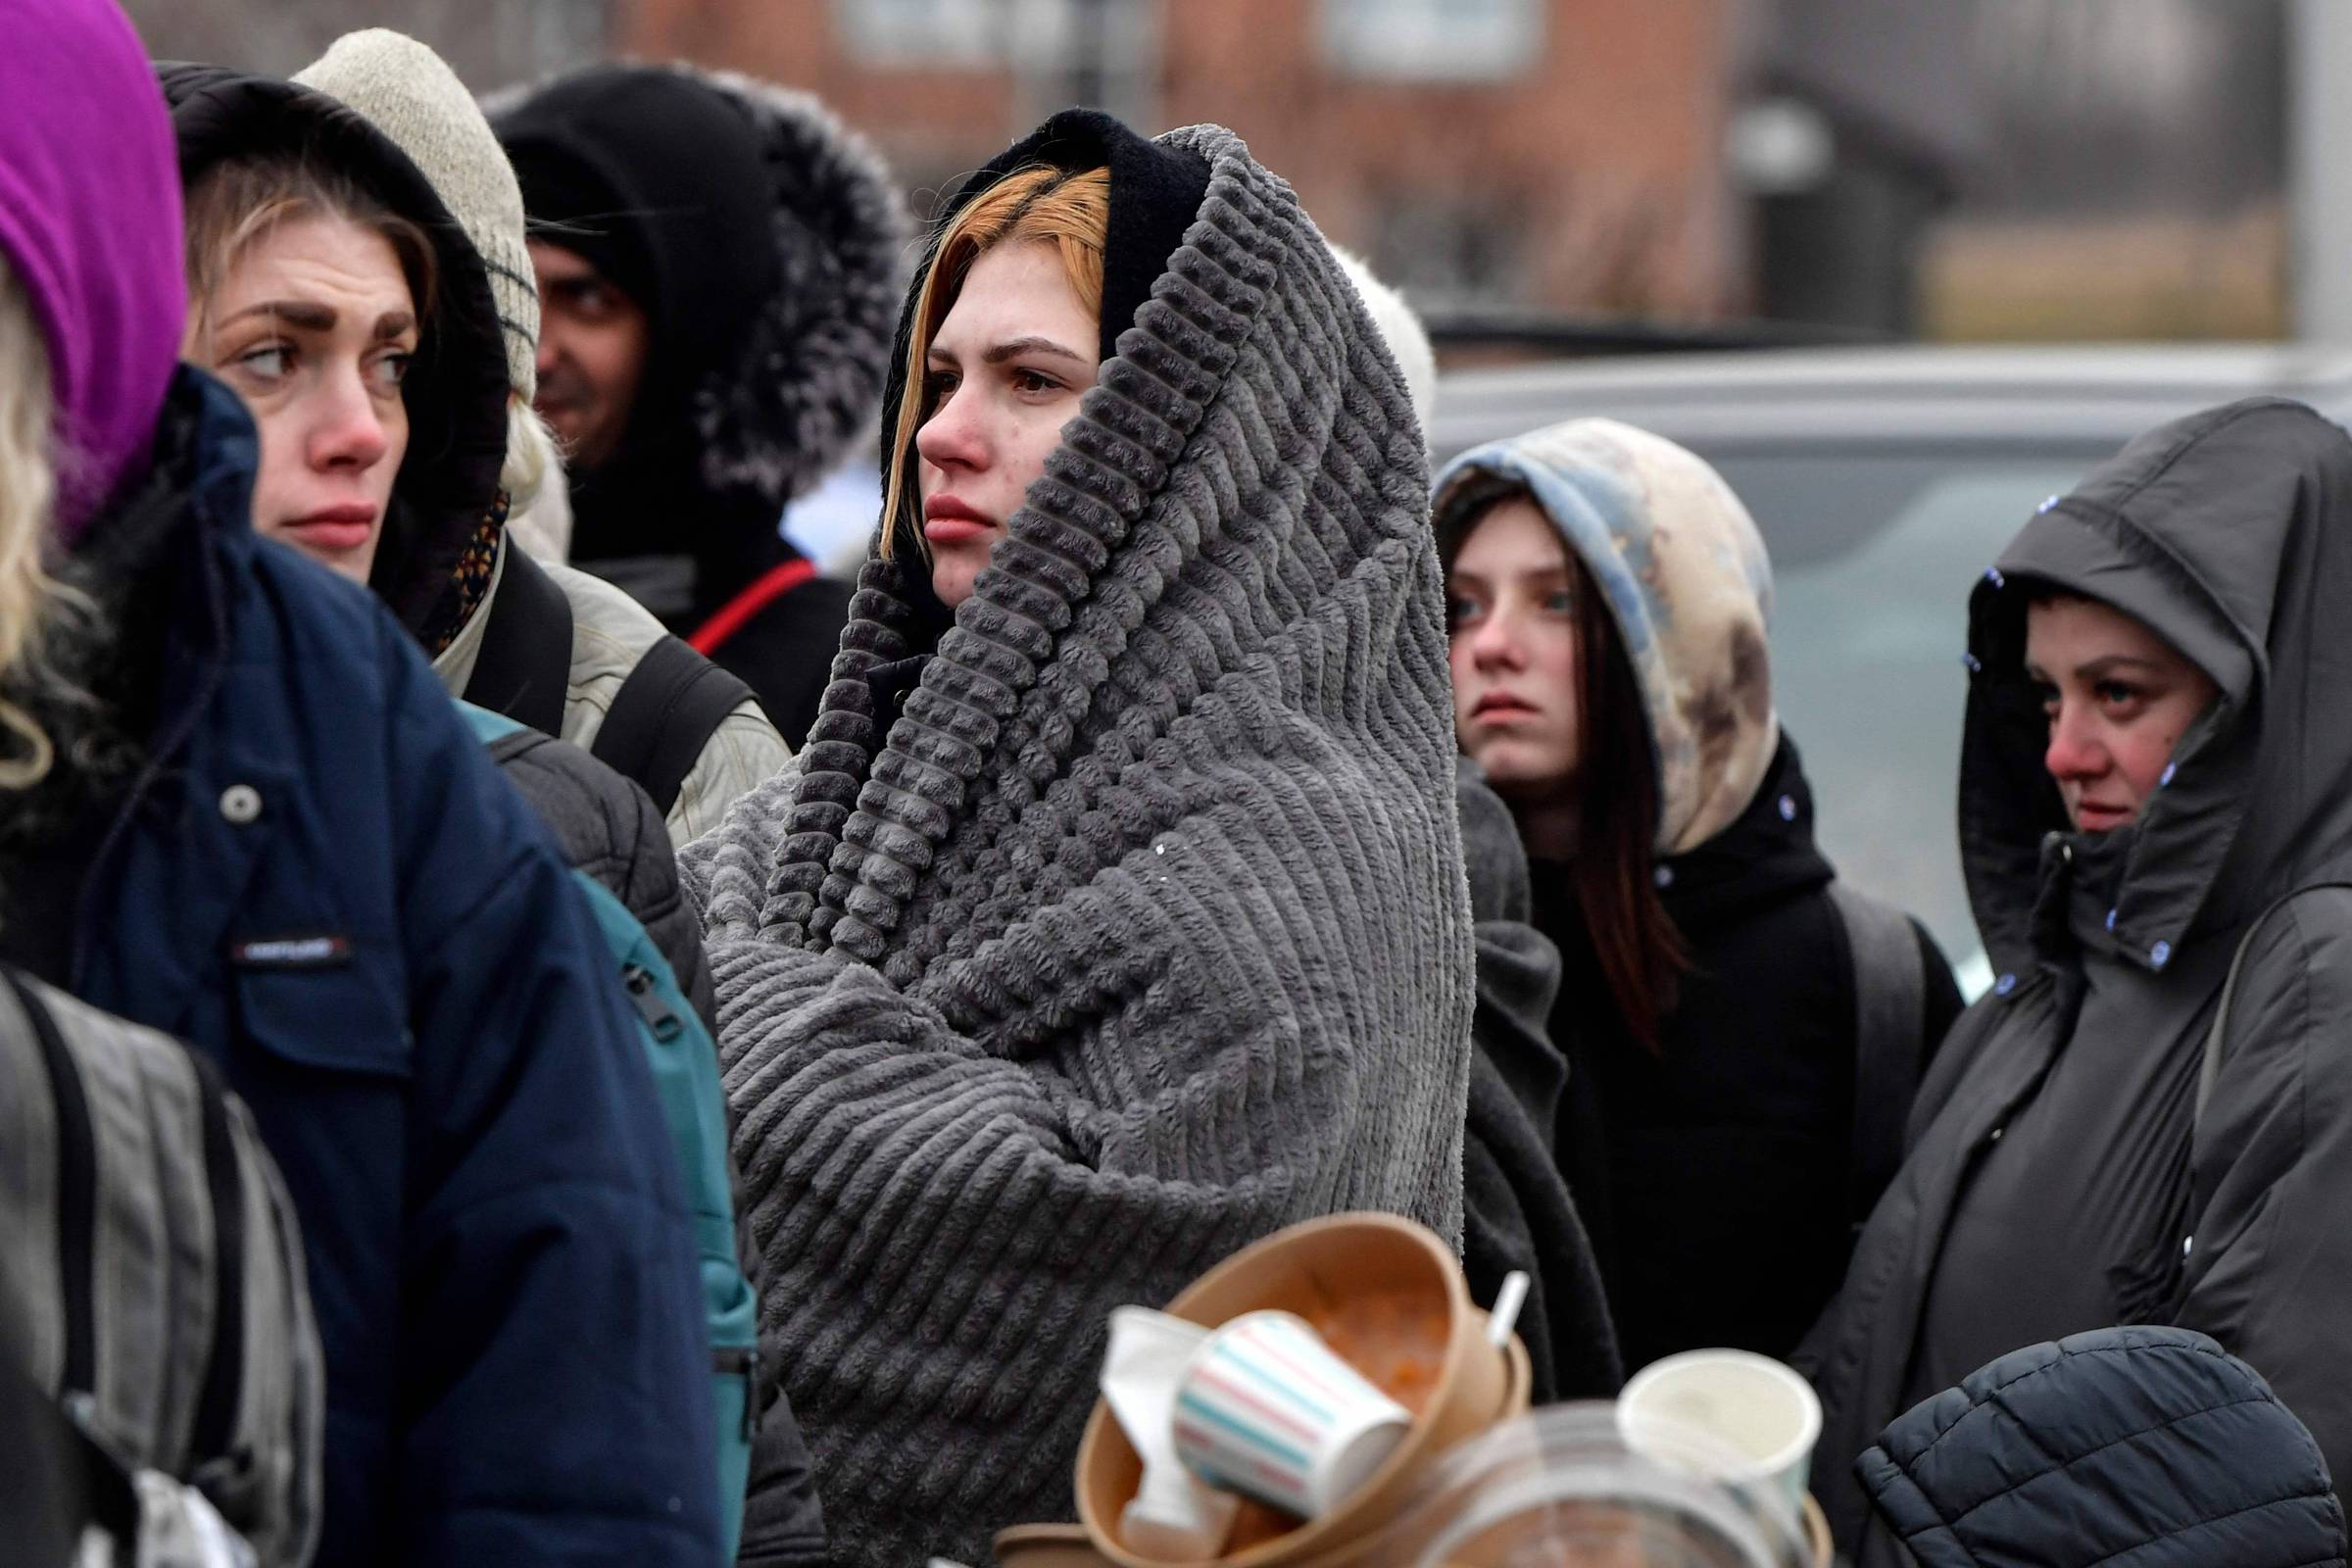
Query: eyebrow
(310, 317)
(2099, 669)
(1532, 574)
(294, 312)
(1014, 349)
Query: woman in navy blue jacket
(262, 827)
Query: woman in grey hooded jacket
(2074, 1162)
(1115, 917)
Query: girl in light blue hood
(1608, 598)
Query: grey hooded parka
(2059, 1176)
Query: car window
(1873, 560)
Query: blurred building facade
(1962, 169)
(1559, 153)
(485, 41)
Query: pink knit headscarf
(90, 224)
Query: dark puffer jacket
(499, 1257)
(2060, 1178)
(607, 827)
(2141, 1446)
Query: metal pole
(2319, 168)
(1089, 51)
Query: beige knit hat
(410, 94)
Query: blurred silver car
(1885, 480)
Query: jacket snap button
(241, 804)
(1995, 1136)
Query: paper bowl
(1047, 1547)
(1312, 1269)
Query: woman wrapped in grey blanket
(1113, 915)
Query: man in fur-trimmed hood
(701, 382)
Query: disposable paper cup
(1266, 1410)
(1752, 1405)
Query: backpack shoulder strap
(1890, 1030)
(2216, 1038)
(77, 1196)
(216, 1429)
(663, 715)
(525, 666)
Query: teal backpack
(685, 1065)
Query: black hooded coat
(766, 359)
(2060, 1177)
(445, 504)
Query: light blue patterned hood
(1684, 573)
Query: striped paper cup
(1265, 1408)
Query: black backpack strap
(76, 1190)
(524, 667)
(663, 715)
(1890, 1037)
(215, 1427)
(56, 1479)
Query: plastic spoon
(1507, 1302)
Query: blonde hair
(28, 595)
(1040, 203)
(531, 451)
(241, 201)
(538, 506)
